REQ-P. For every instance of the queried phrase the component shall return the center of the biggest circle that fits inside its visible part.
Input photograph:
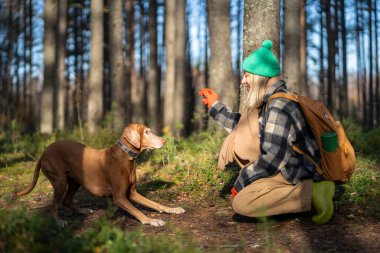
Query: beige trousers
(272, 196)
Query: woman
(275, 179)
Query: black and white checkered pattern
(281, 126)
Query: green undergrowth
(183, 168)
(21, 231)
(364, 187)
(189, 166)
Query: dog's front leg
(127, 206)
(138, 198)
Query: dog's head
(141, 137)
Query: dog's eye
(147, 131)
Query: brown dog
(106, 172)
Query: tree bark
(363, 67)
(221, 76)
(331, 93)
(292, 45)
(60, 70)
(154, 104)
(180, 68)
(116, 63)
(370, 71)
(303, 50)
(169, 99)
(344, 91)
(50, 18)
(322, 75)
(95, 87)
(130, 80)
(377, 75)
(359, 115)
(261, 22)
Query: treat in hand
(210, 96)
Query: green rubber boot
(323, 193)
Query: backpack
(335, 166)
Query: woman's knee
(239, 206)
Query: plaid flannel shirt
(281, 126)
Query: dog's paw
(175, 210)
(155, 222)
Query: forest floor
(184, 174)
(214, 227)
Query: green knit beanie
(262, 61)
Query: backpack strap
(317, 167)
(294, 97)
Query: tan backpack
(338, 165)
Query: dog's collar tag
(127, 150)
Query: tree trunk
(331, 99)
(377, 75)
(322, 75)
(130, 82)
(370, 71)
(16, 75)
(32, 87)
(344, 90)
(24, 105)
(292, 39)
(154, 105)
(261, 22)
(60, 70)
(116, 63)
(359, 86)
(139, 78)
(180, 68)
(363, 68)
(50, 17)
(170, 28)
(221, 76)
(95, 87)
(303, 50)
(7, 96)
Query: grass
(23, 232)
(186, 167)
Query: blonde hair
(255, 96)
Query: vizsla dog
(106, 172)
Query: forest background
(109, 63)
(83, 69)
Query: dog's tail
(34, 182)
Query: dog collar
(127, 150)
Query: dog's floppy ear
(132, 135)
